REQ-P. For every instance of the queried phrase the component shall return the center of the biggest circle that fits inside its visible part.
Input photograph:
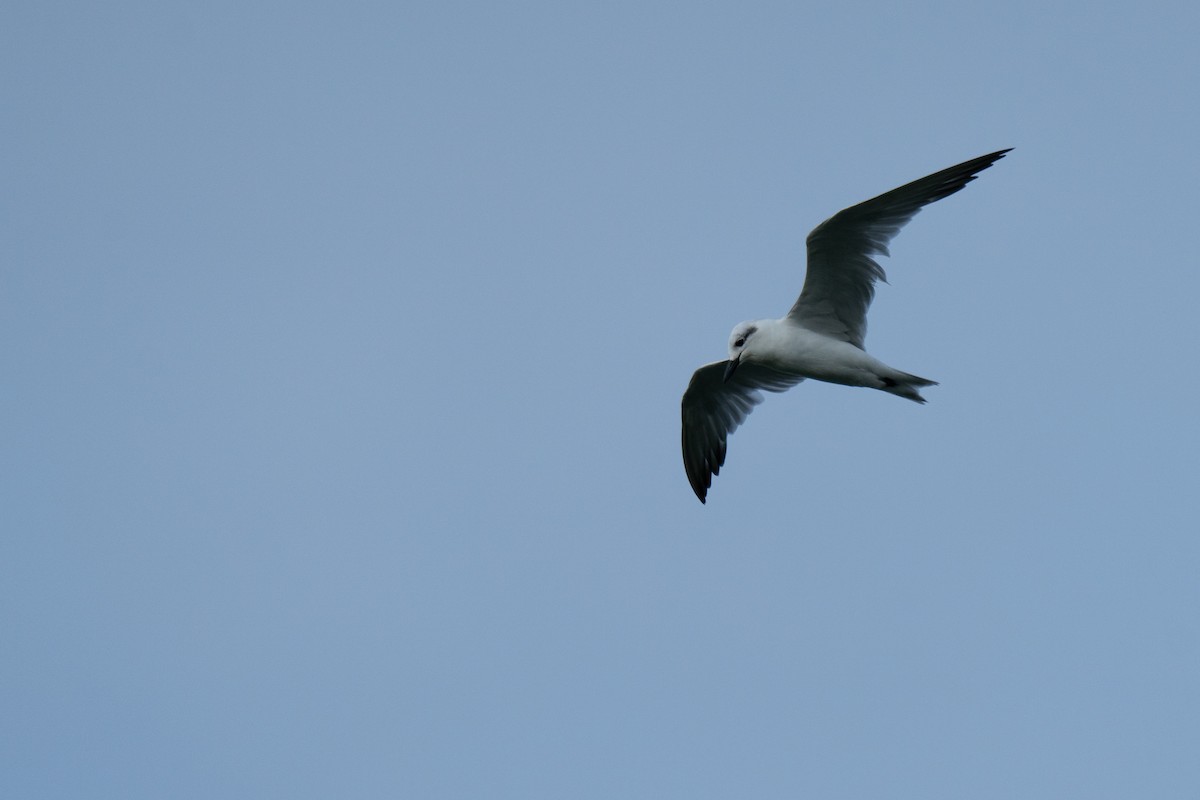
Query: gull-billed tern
(822, 335)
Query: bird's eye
(739, 343)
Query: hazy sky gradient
(343, 350)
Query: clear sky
(342, 350)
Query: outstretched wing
(713, 408)
(840, 283)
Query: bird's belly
(833, 362)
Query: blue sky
(343, 349)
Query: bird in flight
(822, 335)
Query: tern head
(740, 344)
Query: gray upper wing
(713, 408)
(840, 283)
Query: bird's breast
(815, 356)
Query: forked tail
(905, 385)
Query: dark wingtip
(992, 158)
